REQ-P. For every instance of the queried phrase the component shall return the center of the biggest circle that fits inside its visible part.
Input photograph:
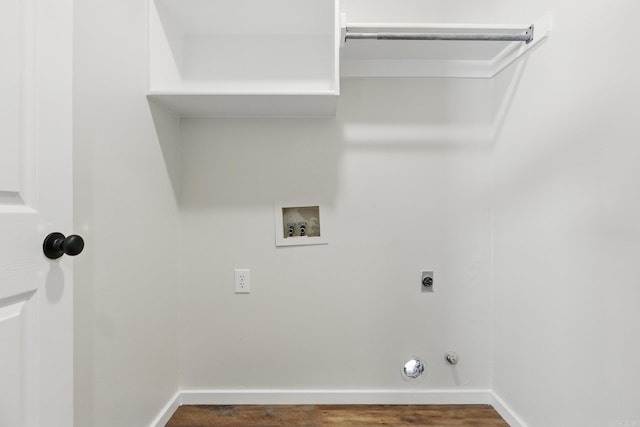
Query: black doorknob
(55, 245)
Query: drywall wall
(125, 207)
(403, 173)
(567, 238)
(431, 11)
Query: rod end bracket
(530, 34)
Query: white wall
(567, 235)
(126, 316)
(404, 174)
(430, 11)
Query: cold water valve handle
(55, 245)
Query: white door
(36, 294)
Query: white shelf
(411, 58)
(245, 57)
(249, 105)
(285, 58)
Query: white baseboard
(505, 411)
(334, 397)
(169, 409)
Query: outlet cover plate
(242, 281)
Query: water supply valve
(451, 358)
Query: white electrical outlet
(243, 282)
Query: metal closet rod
(526, 36)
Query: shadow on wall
(434, 114)
(258, 161)
(167, 125)
(239, 161)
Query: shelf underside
(249, 105)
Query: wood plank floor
(335, 415)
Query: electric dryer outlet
(426, 281)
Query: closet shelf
(435, 50)
(248, 104)
(240, 58)
(285, 58)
